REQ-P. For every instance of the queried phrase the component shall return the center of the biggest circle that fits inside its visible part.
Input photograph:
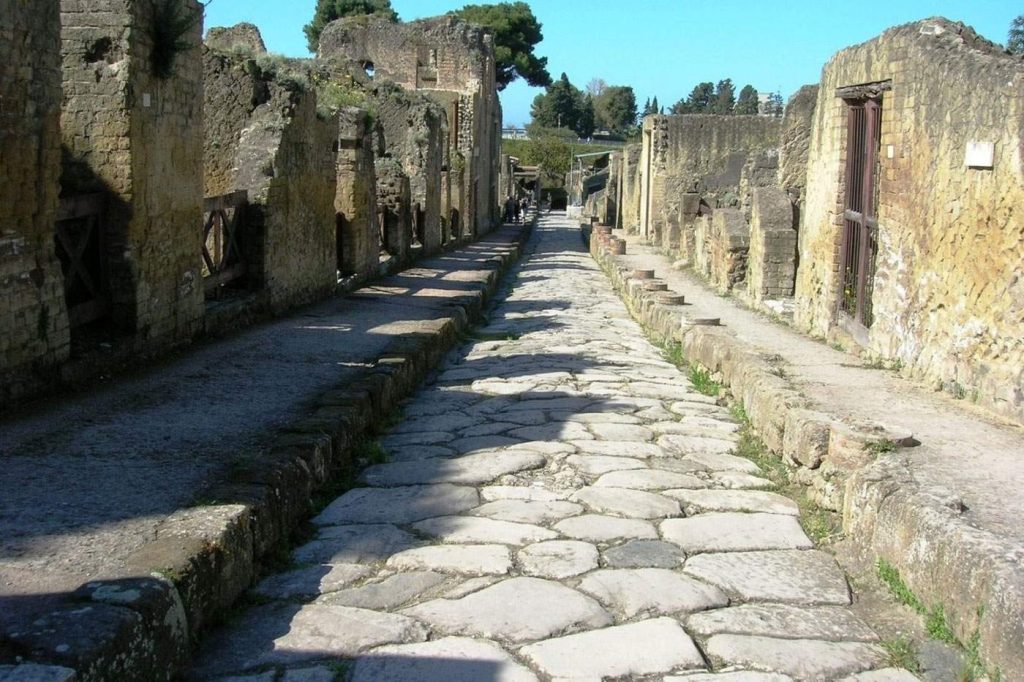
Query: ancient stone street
(558, 502)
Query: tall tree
(724, 98)
(586, 116)
(699, 100)
(746, 104)
(329, 10)
(1015, 37)
(516, 33)
(655, 109)
(596, 86)
(647, 107)
(774, 105)
(616, 108)
(558, 107)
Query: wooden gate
(860, 220)
(223, 258)
(80, 248)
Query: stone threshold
(144, 626)
(884, 508)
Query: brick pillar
(132, 128)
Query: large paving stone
(469, 529)
(528, 511)
(731, 676)
(419, 438)
(482, 444)
(644, 554)
(883, 675)
(594, 418)
(554, 431)
(288, 634)
(467, 470)
(646, 648)
(599, 528)
(558, 559)
(521, 492)
(359, 544)
(635, 504)
(662, 391)
(689, 446)
(514, 610)
(413, 453)
(651, 592)
(398, 505)
(700, 501)
(833, 623)
(444, 422)
(595, 465)
(718, 461)
(311, 581)
(735, 532)
(649, 479)
(793, 576)
(487, 429)
(469, 559)
(618, 448)
(804, 659)
(737, 480)
(389, 593)
(450, 659)
(621, 432)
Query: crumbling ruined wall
(415, 132)
(948, 295)
(629, 188)
(395, 223)
(797, 122)
(441, 58)
(702, 155)
(355, 202)
(264, 136)
(136, 136)
(34, 331)
(771, 263)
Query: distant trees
(1015, 36)
(746, 104)
(602, 106)
(329, 10)
(516, 33)
(720, 99)
(651, 107)
(774, 106)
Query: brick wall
(35, 334)
(948, 295)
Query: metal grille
(859, 244)
(79, 245)
(223, 258)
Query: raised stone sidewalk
(558, 503)
(944, 509)
(133, 516)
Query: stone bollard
(670, 298)
(655, 285)
(618, 246)
(643, 274)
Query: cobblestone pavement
(559, 503)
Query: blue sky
(664, 47)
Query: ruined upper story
(440, 53)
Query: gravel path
(559, 503)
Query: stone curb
(885, 512)
(143, 626)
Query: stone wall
(771, 263)
(718, 158)
(355, 202)
(796, 142)
(35, 335)
(393, 194)
(263, 135)
(439, 57)
(135, 135)
(948, 296)
(415, 134)
(629, 189)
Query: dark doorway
(859, 244)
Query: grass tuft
(703, 383)
(902, 654)
(880, 447)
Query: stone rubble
(560, 504)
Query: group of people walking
(515, 209)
